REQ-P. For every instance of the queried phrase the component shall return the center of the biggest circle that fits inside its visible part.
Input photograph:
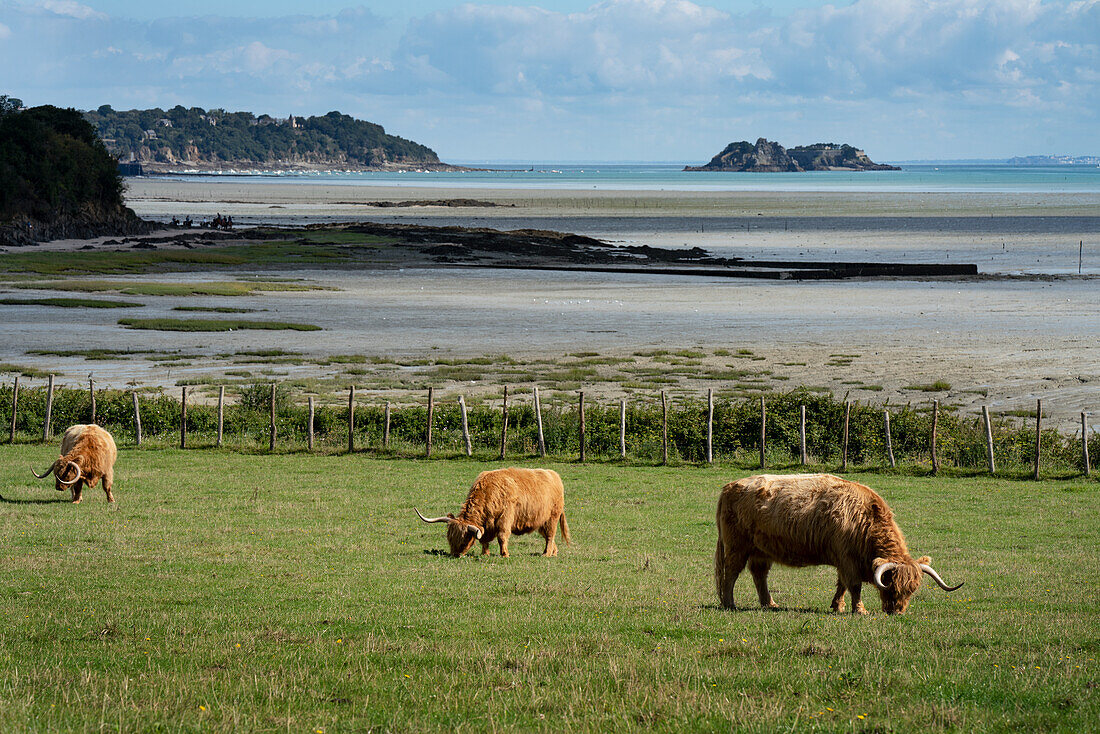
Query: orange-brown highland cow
(506, 502)
(811, 520)
(87, 455)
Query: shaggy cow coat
(507, 502)
(813, 519)
(92, 449)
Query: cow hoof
(839, 609)
(770, 605)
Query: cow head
(66, 473)
(460, 534)
(899, 580)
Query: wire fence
(774, 430)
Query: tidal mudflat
(1016, 332)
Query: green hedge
(961, 438)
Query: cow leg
(485, 547)
(855, 588)
(759, 568)
(728, 565)
(502, 538)
(77, 489)
(838, 597)
(108, 482)
(549, 531)
(857, 604)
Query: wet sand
(1001, 342)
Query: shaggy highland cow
(811, 520)
(506, 502)
(87, 454)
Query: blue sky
(573, 80)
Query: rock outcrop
(771, 157)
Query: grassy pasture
(299, 593)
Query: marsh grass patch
(213, 325)
(153, 288)
(70, 302)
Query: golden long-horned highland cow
(88, 454)
(507, 502)
(810, 520)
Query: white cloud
(72, 9)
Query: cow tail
(565, 529)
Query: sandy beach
(1026, 329)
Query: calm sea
(669, 177)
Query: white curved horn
(49, 471)
(936, 577)
(479, 531)
(880, 571)
(79, 474)
(432, 519)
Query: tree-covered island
(183, 138)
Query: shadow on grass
(7, 501)
(773, 610)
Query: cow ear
(450, 516)
(927, 560)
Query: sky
(575, 80)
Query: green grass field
(233, 592)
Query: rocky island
(771, 157)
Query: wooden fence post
(221, 415)
(580, 411)
(386, 428)
(538, 420)
(935, 427)
(804, 456)
(889, 439)
(91, 394)
(309, 427)
(183, 417)
(664, 427)
(710, 425)
(622, 428)
(49, 410)
(763, 424)
(1038, 437)
(15, 407)
(989, 440)
(137, 420)
(273, 431)
(844, 439)
(431, 414)
(465, 426)
(504, 425)
(351, 419)
(1085, 443)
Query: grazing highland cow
(506, 502)
(810, 520)
(87, 454)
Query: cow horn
(79, 474)
(479, 531)
(432, 519)
(49, 471)
(936, 577)
(880, 571)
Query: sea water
(945, 178)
